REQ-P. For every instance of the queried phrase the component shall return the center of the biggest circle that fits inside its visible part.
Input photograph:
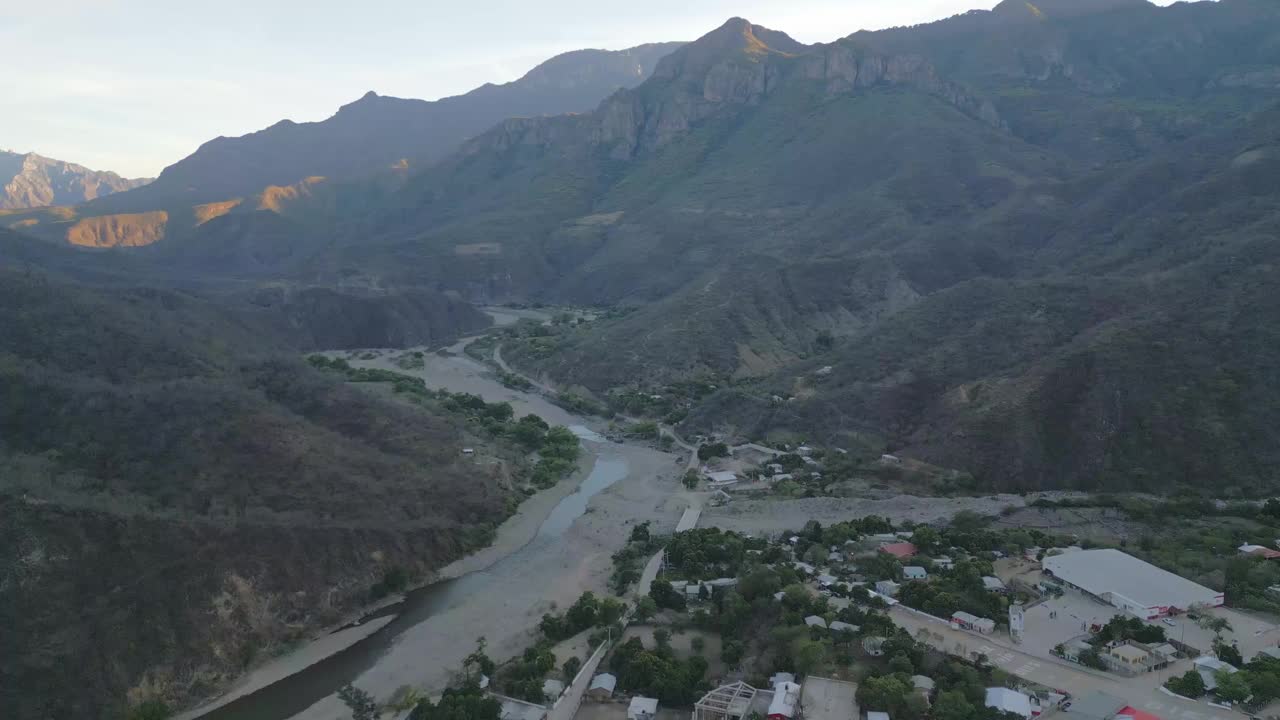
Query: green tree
(1091, 659)
(953, 705)
(712, 450)
(571, 667)
(361, 703)
(808, 655)
(640, 533)
(886, 693)
(731, 652)
(1232, 687)
(645, 609)
(969, 521)
(150, 710)
(662, 642)
(690, 479)
(1228, 654)
(900, 663)
(666, 596)
(583, 613)
(468, 703)
(1189, 684)
(478, 663)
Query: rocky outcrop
(32, 181)
(737, 65)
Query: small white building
(827, 581)
(642, 708)
(786, 696)
(874, 646)
(994, 584)
(967, 621)
(914, 572)
(888, 588)
(468, 451)
(602, 686)
(877, 715)
(839, 625)
(816, 621)
(722, 479)
(944, 563)
(781, 677)
(1006, 700)
(805, 568)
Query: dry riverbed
(522, 574)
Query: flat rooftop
(824, 699)
(1110, 571)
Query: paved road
(1142, 692)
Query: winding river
(296, 693)
(300, 694)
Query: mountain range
(1036, 245)
(380, 138)
(756, 202)
(31, 181)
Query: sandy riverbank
(516, 532)
(521, 575)
(504, 603)
(295, 662)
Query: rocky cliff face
(32, 181)
(734, 66)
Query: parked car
(1170, 622)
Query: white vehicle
(1170, 622)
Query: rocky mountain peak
(28, 180)
(736, 39)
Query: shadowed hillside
(180, 496)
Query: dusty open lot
(775, 515)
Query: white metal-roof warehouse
(1124, 581)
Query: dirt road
(1141, 692)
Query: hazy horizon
(132, 86)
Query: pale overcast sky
(134, 85)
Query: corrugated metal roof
(1110, 571)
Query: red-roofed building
(902, 550)
(1136, 714)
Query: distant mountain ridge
(28, 180)
(376, 133)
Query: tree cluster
(587, 612)
(657, 672)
